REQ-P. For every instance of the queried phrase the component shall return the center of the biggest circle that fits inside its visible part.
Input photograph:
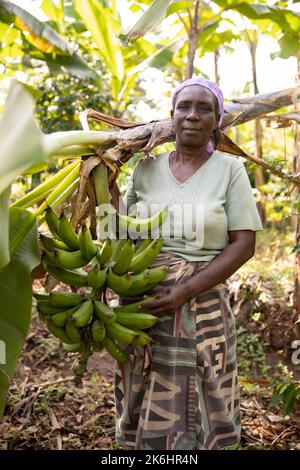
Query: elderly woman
(182, 392)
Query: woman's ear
(172, 114)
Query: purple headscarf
(213, 88)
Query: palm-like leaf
(16, 293)
(149, 20)
(40, 37)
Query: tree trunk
(193, 35)
(216, 62)
(259, 175)
(297, 170)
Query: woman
(181, 392)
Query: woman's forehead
(195, 92)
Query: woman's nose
(192, 114)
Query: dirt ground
(45, 410)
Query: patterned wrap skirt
(181, 392)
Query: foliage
(286, 394)
(64, 97)
(251, 353)
(16, 292)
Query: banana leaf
(4, 252)
(104, 28)
(154, 15)
(20, 148)
(16, 293)
(41, 37)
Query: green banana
(106, 251)
(122, 256)
(133, 307)
(50, 244)
(58, 332)
(101, 184)
(72, 347)
(140, 280)
(87, 246)
(143, 260)
(72, 332)
(141, 321)
(67, 233)
(142, 226)
(45, 307)
(119, 284)
(142, 245)
(83, 314)
(114, 350)
(52, 221)
(60, 299)
(120, 333)
(71, 278)
(69, 259)
(105, 313)
(142, 339)
(60, 319)
(158, 274)
(96, 277)
(98, 331)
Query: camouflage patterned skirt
(181, 392)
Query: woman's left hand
(167, 301)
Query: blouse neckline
(200, 169)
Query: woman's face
(194, 116)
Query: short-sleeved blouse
(216, 199)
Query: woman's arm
(240, 249)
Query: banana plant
(38, 39)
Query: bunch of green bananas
(81, 322)
(114, 263)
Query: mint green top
(216, 199)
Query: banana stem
(82, 364)
(73, 151)
(59, 140)
(41, 191)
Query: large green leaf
(55, 13)
(20, 147)
(39, 36)
(16, 293)
(179, 6)
(20, 137)
(288, 20)
(4, 245)
(105, 30)
(155, 14)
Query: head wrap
(213, 88)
